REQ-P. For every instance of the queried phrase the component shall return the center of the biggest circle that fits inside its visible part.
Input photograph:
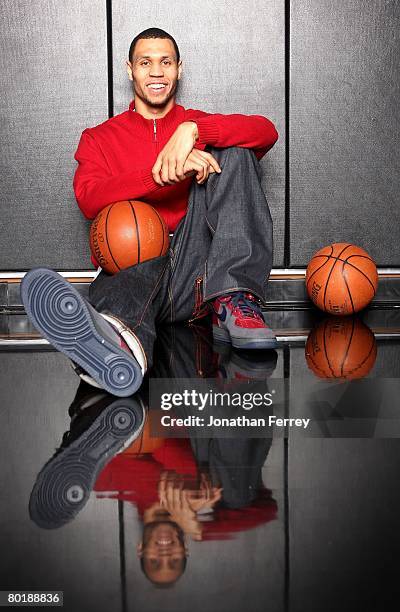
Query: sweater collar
(147, 127)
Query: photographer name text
(239, 421)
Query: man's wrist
(194, 128)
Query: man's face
(154, 71)
(163, 551)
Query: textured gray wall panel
(53, 77)
(344, 127)
(233, 57)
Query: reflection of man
(162, 550)
(179, 496)
(221, 253)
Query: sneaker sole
(60, 313)
(222, 335)
(63, 486)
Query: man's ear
(179, 69)
(139, 550)
(129, 70)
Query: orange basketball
(145, 444)
(127, 233)
(341, 347)
(341, 279)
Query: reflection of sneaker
(76, 329)
(238, 319)
(245, 365)
(102, 426)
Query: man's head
(162, 552)
(155, 68)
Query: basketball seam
(348, 288)
(137, 230)
(326, 354)
(330, 273)
(361, 272)
(345, 260)
(348, 346)
(315, 271)
(364, 360)
(317, 367)
(162, 229)
(106, 233)
(363, 256)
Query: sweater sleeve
(95, 186)
(249, 131)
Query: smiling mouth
(164, 542)
(156, 87)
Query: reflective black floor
(93, 505)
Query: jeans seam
(213, 230)
(177, 247)
(151, 296)
(171, 299)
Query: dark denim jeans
(223, 244)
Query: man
(221, 253)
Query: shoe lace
(246, 305)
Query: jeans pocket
(200, 309)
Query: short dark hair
(164, 585)
(153, 33)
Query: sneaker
(101, 427)
(76, 329)
(238, 319)
(242, 365)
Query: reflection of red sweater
(135, 479)
(115, 158)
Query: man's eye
(146, 63)
(167, 62)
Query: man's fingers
(156, 171)
(202, 172)
(170, 494)
(162, 487)
(165, 172)
(206, 171)
(185, 500)
(172, 171)
(208, 163)
(180, 164)
(214, 164)
(210, 160)
(191, 166)
(178, 496)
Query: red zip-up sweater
(115, 158)
(135, 479)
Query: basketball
(341, 279)
(145, 444)
(127, 233)
(341, 347)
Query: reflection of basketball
(341, 279)
(145, 444)
(341, 347)
(126, 233)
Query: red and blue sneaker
(237, 319)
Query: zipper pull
(155, 130)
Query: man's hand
(174, 498)
(201, 164)
(171, 164)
